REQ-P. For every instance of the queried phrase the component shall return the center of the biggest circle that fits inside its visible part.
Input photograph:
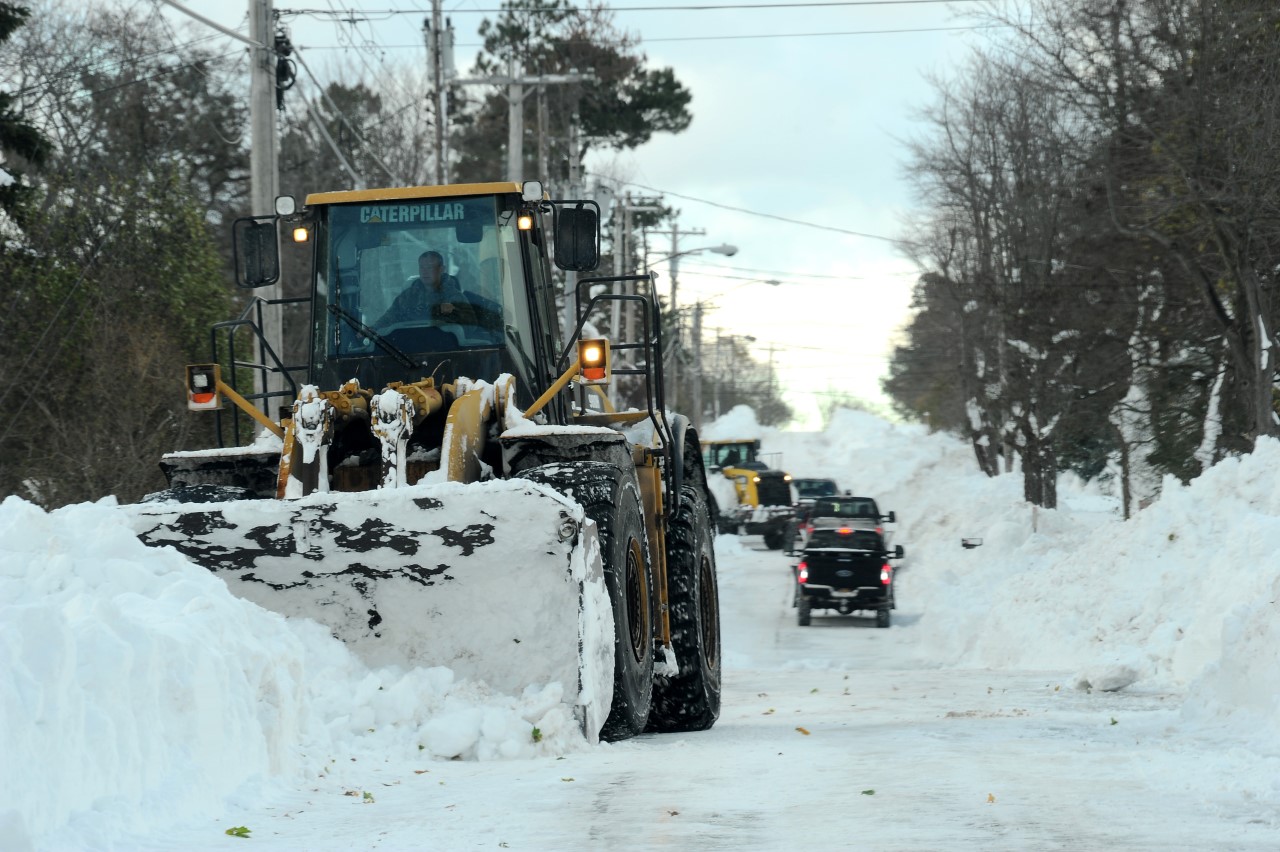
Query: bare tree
(1186, 94)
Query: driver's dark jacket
(420, 302)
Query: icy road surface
(833, 736)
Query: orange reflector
(202, 387)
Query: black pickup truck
(845, 569)
(834, 511)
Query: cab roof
(399, 193)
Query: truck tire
(803, 610)
(774, 538)
(611, 498)
(883, 618)
(690, 701)
(201, 494)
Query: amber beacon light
(593, 361)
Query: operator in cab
(434, 295)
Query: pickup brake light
(803, 572)
(886, 574)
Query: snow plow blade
(500, 581)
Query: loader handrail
(268, 362)
(654, 389)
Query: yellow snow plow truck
(447, 483)
(751, 496)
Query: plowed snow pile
(138, 686)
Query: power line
(540, 10)
(837, 33)
(699, 267)
(892, 240)
(749, 36)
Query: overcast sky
(799, 112)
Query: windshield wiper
(384, 344)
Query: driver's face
(430, 269)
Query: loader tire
(690, 701)
(611, 498)
(202, 493)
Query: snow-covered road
(833, 736)
(145, 707)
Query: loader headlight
(568, 527)
(301, 235)
(524, 222)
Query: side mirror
(578, 237)
(970, 543)
(257, 251)
(898, 552)
(891, 517)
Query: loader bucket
(500, 581)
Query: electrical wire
(383, 14)
(747, 36)
(297, 52)
(749, 212)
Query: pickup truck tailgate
(843, 569)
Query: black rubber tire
(774, 539)
(803, 610)
(883, 618)
(200, 494)
(690, 701)
(611, 498)
(792, 537)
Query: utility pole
(622, 237)
(673, 365)
(264, 174)
(571, 277)
(438, 34)
(715, 409)
(516, 82)
(697, 366)
(544, 168)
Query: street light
(724, 249)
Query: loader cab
(742, 455)
(496, 280)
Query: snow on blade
(500, 582)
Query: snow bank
(739, 424)
(1181, 597)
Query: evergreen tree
(20, 141)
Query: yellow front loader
(453, 486)
(753, 498)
